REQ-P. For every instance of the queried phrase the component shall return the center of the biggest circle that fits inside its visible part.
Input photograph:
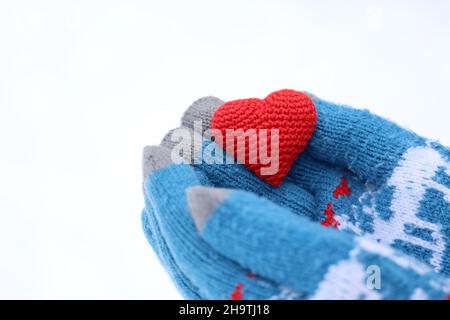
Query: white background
(84, 85)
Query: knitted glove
(365, 195)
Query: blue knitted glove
(365, 196)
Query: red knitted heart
(290, 112)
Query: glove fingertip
(203, 202)
(201, 110)
(154, 158)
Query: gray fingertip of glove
(203, 202)
(201, 110)
(195, 121)
(155, 158)
(167, 141)
(183, 138)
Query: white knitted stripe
(411, 179)
(346, 280)
(401, 260)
